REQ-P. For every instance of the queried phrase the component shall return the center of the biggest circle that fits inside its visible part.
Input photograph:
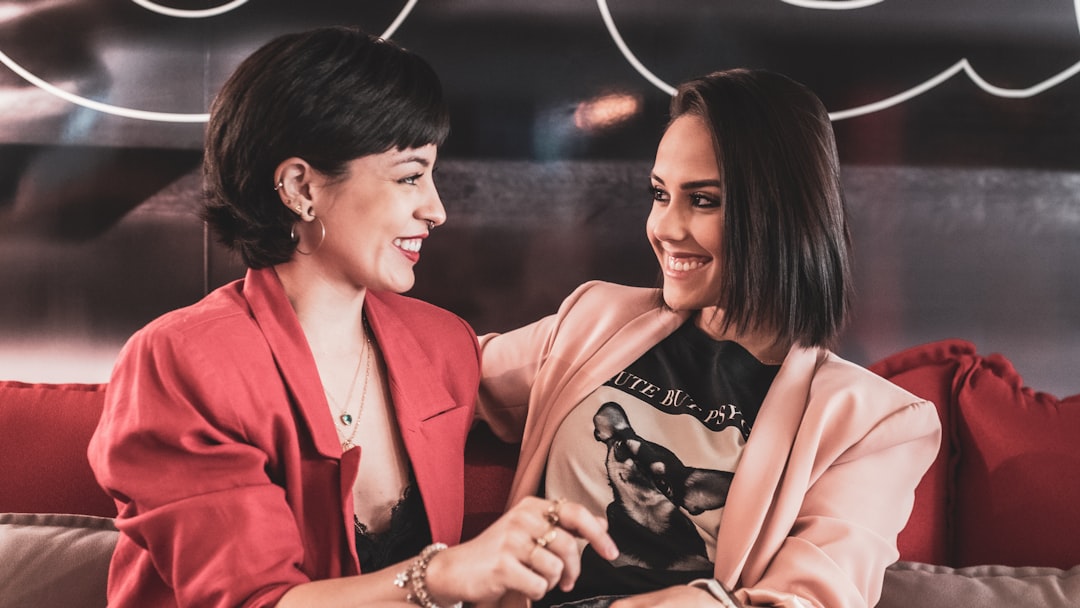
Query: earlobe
(297, 207)
(293, 175)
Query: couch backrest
(46, 428)
(930, 373)
(44, 432)
(1002, 490)
(1006, 483)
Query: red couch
(993, 523)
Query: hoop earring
(296, 239)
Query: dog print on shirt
(652, 488)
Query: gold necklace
(344, 417)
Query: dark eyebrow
(413, 159)
(694, 185)
(703, 183)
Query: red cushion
(44, 432)
(1018, 480)
(931, 371)
(489, 471)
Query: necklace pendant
(346, 419)
(347, 445)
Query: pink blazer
(217, 445)
(827, 478)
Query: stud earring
(280, 185)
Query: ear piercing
(299, 206)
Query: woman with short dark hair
(296, 438)
(738, 460)
(328, 99)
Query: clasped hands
(530, 549)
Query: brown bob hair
(787, 244)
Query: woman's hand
(530, 549)
(681, 596)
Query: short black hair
(329, 96)
(787, 244)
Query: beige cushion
(59, 560)
(911, 585)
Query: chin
(681, 300)
(403, 287)
(397, 284)
(676, 302)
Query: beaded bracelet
(414, 577)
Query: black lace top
(407, 535)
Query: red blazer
(217, 445)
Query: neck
(329, 311)
(764, 346)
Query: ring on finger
(552, 513)
(545, 540)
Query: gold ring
(552, 513)
(546, 539)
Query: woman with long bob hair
(738, 460)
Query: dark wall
(957, 124)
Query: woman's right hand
(530, 549)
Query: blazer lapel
(574, 380)
(416, 394)
(763, 462)
(436, 455)
(275, 316)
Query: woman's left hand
(682, 596)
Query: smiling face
(376, 218)
(686, 224)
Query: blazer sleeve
(509, 364)
(194, 492)
(858, 498)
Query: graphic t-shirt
(655, 448)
